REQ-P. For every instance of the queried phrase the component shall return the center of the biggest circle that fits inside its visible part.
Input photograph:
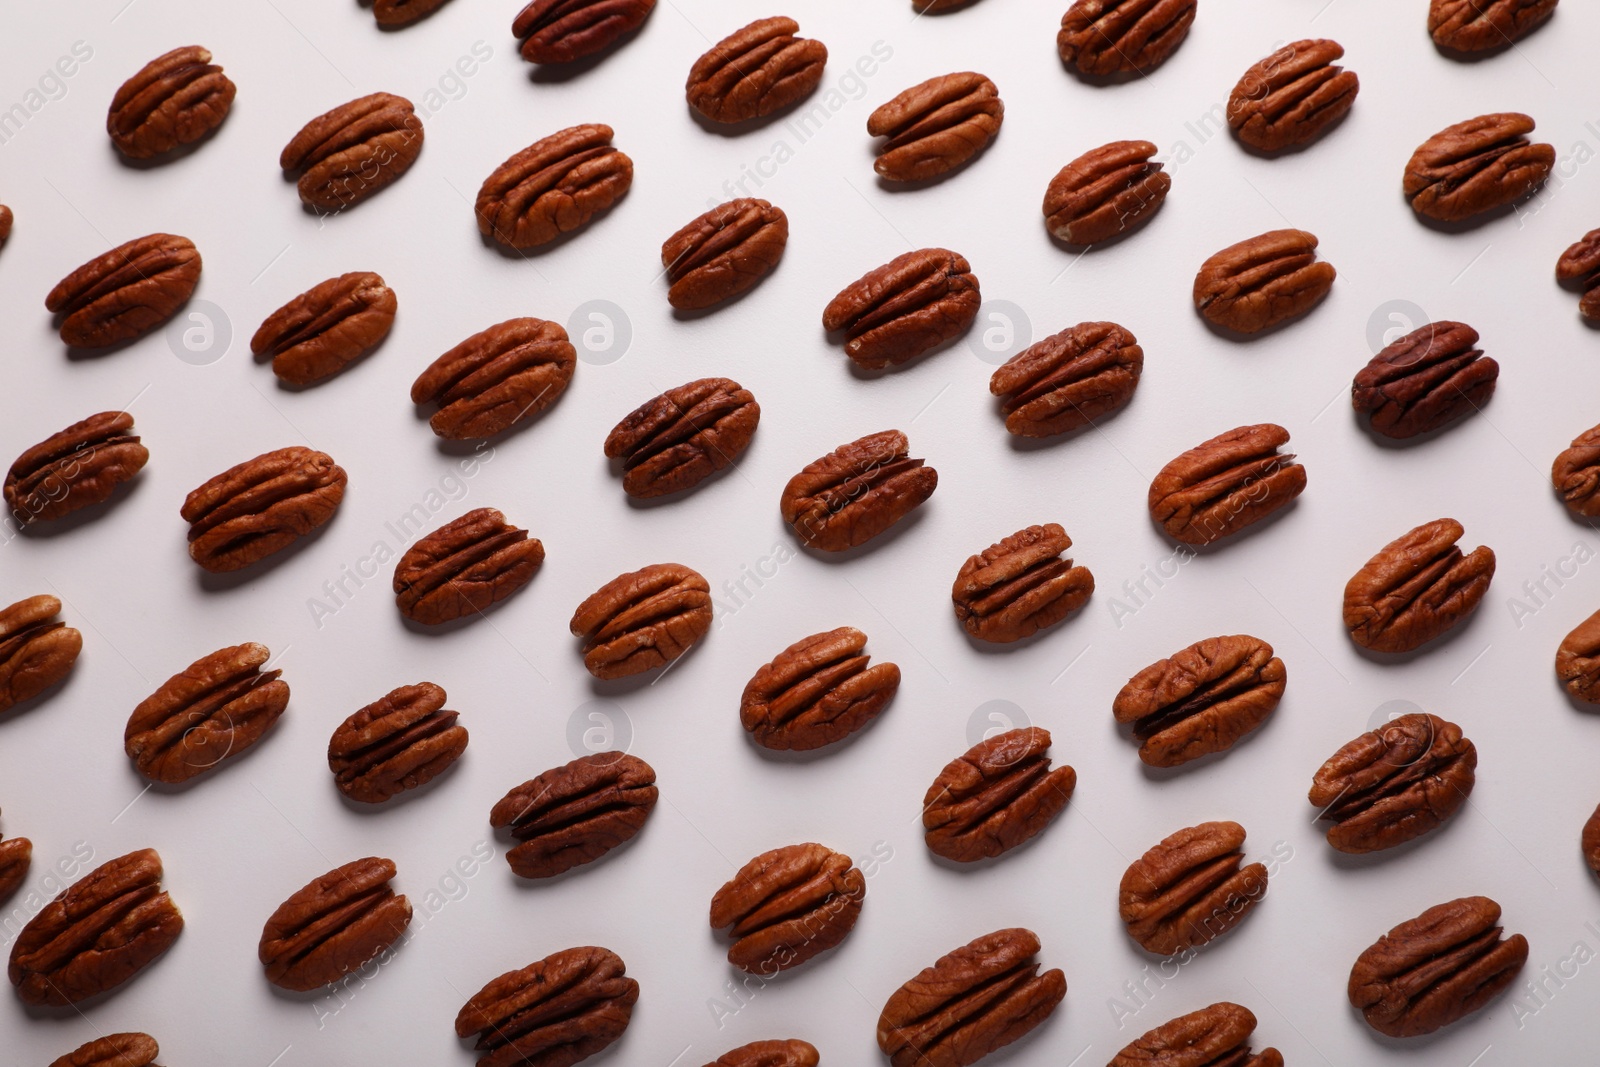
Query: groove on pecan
(856, 492)
(354, 151)
(1068, 380)
(817, 691)
(1578, 267)
(788, 905)
(113, 1050)
(552, 187)
(723, 253)
(1425, 380)
(1190, 889)
(126, 292)
(560, 31)
(400, 741)
(1292, 96)
(175, 99)
(998, 794)
(1395, 783)
(936, 126)
(556, 1011)
(684, 436)
(328, 327)
(1590, 841)
(72, 469)
(213, 710)
(1417, 587)
(574, 814)
(464, 566)
(37, 650)
(909, 306)
(393, 14)
(1263, 281)
(755, 71)
(1225, 484)
(1476, 166)
(261, 506)
(1104, 192)
(791, 1052)
(1101, 37)
(16, 856)
(1578, 660)
(1201, 700)
(1576, 474)
(1020, 585)
(497, 378)
(1484, 25)
(1215, 1036)
(642, 620)
(332, 925)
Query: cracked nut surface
(496, 379)
(909, 306)
(1068, 380)
(1190, 889)
(174, 100)
(1201, 700)
(1578, 660)
(1263, 281)
(560, 31)
(1292, 97)
(755, 71)
(1476, 166)
(936, 126)
(1394, 783)
(261, 506)
(1416, 588)
(1215, 1036)
(399, 742)
(556, 1011)
(1425, 380)
(326, 328)
(332, 925)
(127, 292)
(1020, 585)
(354, 151)
(393, 14)
(37, 650)
(723, 253)
(791, 1052)
(1579, 266)
(574, 814)
(1576, 474)
(682, 437)
(72, 469)
(1225, 484)
(113, 1050)
(464, 566)
(788, 905)
(819, 690)
(1104, 37)
(998, 794)
(856, 492)
(554, 186)
(1105, 192)
(642, 620)
(1484, 25)
(16, 856)
(212, 711)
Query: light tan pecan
(126, 292)
(723, 253)
(1020, 585)
(936, 126)
(1190, 889)
(1216, 1036)
(1578, 267)
(554, 1012)
(393, 14)
(1425, 380)
(788, 905)
(212, 711)
(553, 187)
(1225, 484)
(399, 742)
(1395, 783)
(1578, 660)
(909, 306)
(261, 506)
(560, 31)
(1105, 192)
(113, 1050)
(1263, 281)
(856, 492)
(175, 99)
(354, 151)
(1576, 474)
(497, 378)
(682, 437)
(1476, 166)
(37, 650)
(817, 691)
(1292, 97)
(332, 925)
(1417, 587)
(642, 620)
(1485, 25)
(998, 794)
(325, 329)
(755, 71)
(16, 856)
(1068, 380)
(464, 566)
(80, 466)
(782, 1053)
(1101, 37)
(576, 813)
(1201, 700)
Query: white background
(237, 843)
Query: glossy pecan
(328, 327)
(574, 814)
(560, 31)
(37, 650)
(16, 856)
(783, 1053)
(213, 710)
(97, 934)
(1482, 25)
(1590, 841)
(1201, 700)
(261, 506)
(1104, 192)
(684, 436)
(1261, 282)
(1292, 96)
(496, 379)
(1578, 660)
(910, 305)
(80, 466)
(7, 219)
(788, 905)
(755, 71)
(642, 620)
(552, 187)
(1578, 267)
(393, 14)
(973, 1001)
(354, 151)
(464, 566)
(1102, 37)
(334, 924)
(1394, 783)
(1576, 474)
(817, 691)
(856, 492)
(996, 795)
(554, 1012)
(1425, 380)
(174, 100)
(1190, 889)
(1417, 587)
(1438, 968)
(1069, 379)
(1020, 585)
(936, 126)
(1476, 166)
(1225, 484)
(126, 292)
(398, 742)
(113, 1050)
(1216, 1036)
(723, 253)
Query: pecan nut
(1436, 969)
(1190, 889)
(80, 466)
(325, 329)
(856, 492)
(16, 856)
(1578, 660)
(174, 100)
(682, 437)
(1578, 267)
(1417, 587)
(1395, 783)
(554, 186)
(1483, 25)
(642, 620)
(723, 253)
(1292, 96)
(354, 151)
(909, 306)
(1201, 700)
(113, 1050)
(817, 691)
(574, 814)
(464, 566)
(7, 219)
(1225, 484)
(783, 1053)
(1590, 842)
(1263, 281)
(497, 378)
(1068, 380)
(973, 1001)
(1101, 37)
(1425, 380)
(261, 506)
(559, 1010)
(1216, 1036)
(788, 905)
(393, 14)
(126, 292)
(1020, 585)
(560, 31)
(97, 934)
(334, 924)
(1476, 166)
(936, 127)
(401, 741)
(998, 794)
(755, 71)
(213, 710)
(37, 650)
(1105, 192)
(1576, 474)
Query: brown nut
(936, 126)
(784, 1053)
(1579, 266)
(1068, 380)
(174, 100)
(554, 186)
(642, 620)
(97, 934)
(464, 566)
(113, 1050)
(393, 14)
(1105, 192)
(7, 218)
(1190, 889)
(1425, 380)
(1476, 166)
(909, 306)
(576, 813)
(1395, 783)
(126, 292)
(354, 151)
(682, 437)
(560, 31)
(333, 925)
(215, 709)
(1484, 25)
(1436, 969)
(817, 691)
(1225, 484)
(496, 379)
(1020, 585)
(1217, 1036)
(1590, 841)
(401, 741)
(80, 466)
(1576, 474)
(755, 71)
(974, 1001)
(1578, 660)
(1101, 37)
(856, 492)
(788, 905)
(723, 253)
(261, 506)
(1201, 700)
(323, 330)
(559, 1010)
(1292, 97)
(998, 794)
(16, 856)
(1261, 282)
(37, 650)
(1417, 587)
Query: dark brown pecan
(559, 31)
(1292, 96)
(1482, 25)
(856, 492)
(554, 1012)
(464, 566)
(261, 506)
(80, 466)
(97, 934)
(642, 620)
(1476, 166)
(784, 1053)
(936, 127)
(174, 100)
(37, 650)
(574, 814)
(1068, 380)
(1394, 783)
(552, 187)
(328, 327)
(1104, 192)
(334, 924)
(1433, 970)
(1190, 889)
(113, 1050)
(817, 691)
(1578, 660)
(7, 218)
(1217, 1036)
(16, 856)
(683, 436)
(973, 1001)
(788, 905)
(1020, 585)
(1122, 36)
(910, 305)
(354, 151)
(1201, 700)
(1590, 841)
(1425, 380)
(398, 742)
(1222, 486)
(127, 292)
(1263, 281)
(212, 711)
(723, 253)
(996, 795)
(393, 14)
(1576, 474)
(496, 379)
(757, 70)
(1578, 267)
(1417, 587)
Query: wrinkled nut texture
(998, 794)
(1436, 969)
(554, 186)
(791, 1052)
(1020, 585)
(756, 71)
(1101, 37)
(97, 934)
(1068, 380)
(642, 620)
(819, 690)
(1225, 484)
(126, 292)
(328, 327)
(1395, 783)
(1261, 282)
(354, 151)
(1216, 1036)
(174, 100)
(1578, 660)
(497, 378)
(1416, 588)
(1190, 889)
(393, 14)
(935, 127)
(1105, 192)
(261, 506)
(80, 466)
(1425, 380)
(398, 742)
(464, 566)
(908, 306)
(723, 253)
(684, 436)
(556, 1011)
(856, 492)
(788, 905)
(1576, 474)
(1292, 96)
(333, 925)
(215, 709)
(113, 1050)
(1483, 25)
(1578, 266)
(37, 650)
(1201, 700)
(576, 813)
(560, 31)
(1476, 166)
(16, 856)
(973, 1001)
